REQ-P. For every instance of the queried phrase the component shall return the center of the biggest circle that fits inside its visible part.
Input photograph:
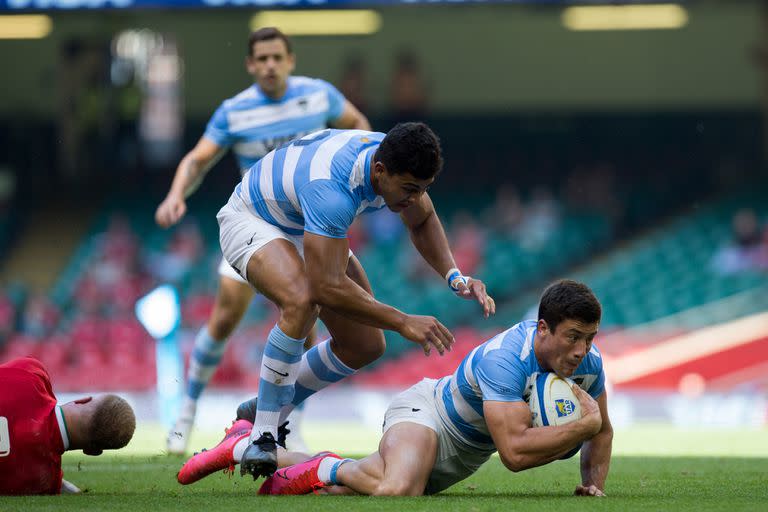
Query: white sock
(239, 449)
(188, 409)
(326, 471)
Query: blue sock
(319, 369)
(279, 368)
(203, 362)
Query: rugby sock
(203, 363)
(279, 368)
(319, 369)
(239, 449)
(326, 471)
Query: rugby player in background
(276, 109)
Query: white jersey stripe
(289, 170)
(315, 103)
(494, 344)
(320, 167)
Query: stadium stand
(88, 321)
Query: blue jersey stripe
(541, 382)
(301, 176)
(255, 196)
(465, 388)
(279, 191)
(465, 428)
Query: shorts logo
(564, 407)
(334, 231)
(5, 437)
(250, 241)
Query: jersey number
(5, 437)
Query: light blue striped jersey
(318, 183)
(253, 124)
(501, 369)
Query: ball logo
(564, 407)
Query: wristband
(454, 277)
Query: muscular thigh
(354, 343)
(408, 451)
(276, 270)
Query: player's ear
(93, 451)
(543, 327)
(379, 168)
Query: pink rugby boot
(300, 478)
(217, 458)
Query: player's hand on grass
(170, 211)
(588, 490)
(475, 289)
(590, 411)
(428, 332)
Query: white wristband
(454, 277)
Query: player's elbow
(606, 432)
(514, 462)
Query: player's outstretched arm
(522, 446)
(351, 118)
(428, 236)
(189, 175)
(596, 455)
(326, 261)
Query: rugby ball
(552, 401)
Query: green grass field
(654, 468)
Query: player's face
(271, 65)
(567, 346)
(399, 191)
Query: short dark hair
(411, 148)
(569, 300)
(112, 424)
(268, 34)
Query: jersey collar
(62, 427)
(368, 191)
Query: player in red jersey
(35, 432)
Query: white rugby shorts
(242, 232)
(455, 461)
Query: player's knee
(397, 488)
(300, 308)
(371, 347)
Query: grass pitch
(657, 477)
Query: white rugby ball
(552, 401)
